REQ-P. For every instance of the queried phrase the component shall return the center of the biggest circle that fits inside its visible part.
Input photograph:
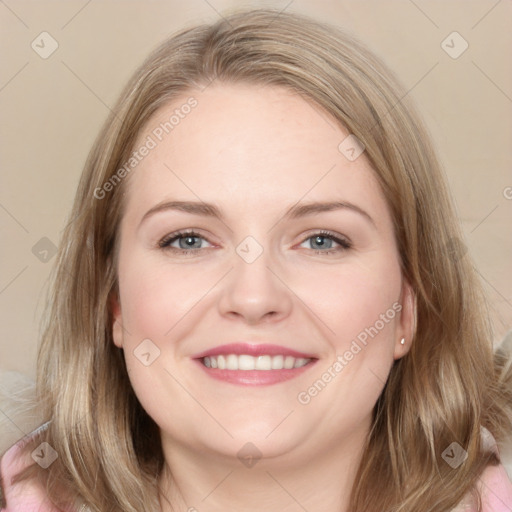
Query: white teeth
(277, 362)
(264, 363)
(246, 362)
(289, 361)
(232, 362)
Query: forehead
(247, 145)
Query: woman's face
(266, 281)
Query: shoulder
(27, 495)
(496, 490)
(494, 485)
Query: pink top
(494, 484)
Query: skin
(254, 152)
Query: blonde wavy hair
(444, 390)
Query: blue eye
(322, 243)
(191, 242)
(186, 240)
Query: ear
(117, 320)
(406, 327)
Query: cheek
(155, 296)
(358, 302)
(363, 311)
(355, 297)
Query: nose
(255, 292)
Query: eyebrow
(294, 212)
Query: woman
(259, 303)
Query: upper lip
(252, 349)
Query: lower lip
(255, 377)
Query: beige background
(52, 109)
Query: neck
(203, 481)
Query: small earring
(402, 341)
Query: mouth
(247, 364)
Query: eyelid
(327, 233)
(343, 242)
(182, 233)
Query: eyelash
(169, 239)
